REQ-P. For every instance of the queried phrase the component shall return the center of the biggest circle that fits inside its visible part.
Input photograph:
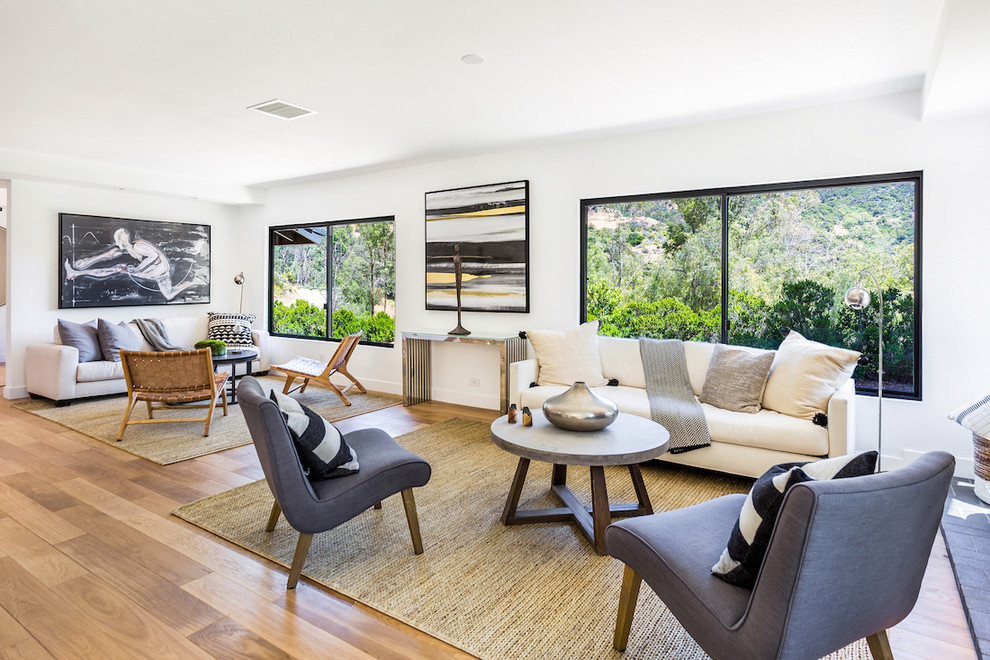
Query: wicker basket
(981, 467)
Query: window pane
(363, 295)
(299, 281)
(654, 268)
(793, 255)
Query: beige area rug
(170, 443)
(532, 591)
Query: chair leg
(273, 519)
(627, 606)
(209, 416)
(337, 391)
(150, 409)
(288, 383)
(127, 416)
(302, 388)
(302, 549)
(357, 383)
(223, 398)
(879, 645)
(409, 502)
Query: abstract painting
(480, 235)
(110, 262)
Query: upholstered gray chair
(845, 561)
(318, 506)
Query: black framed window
(330, 279)
(743, 265)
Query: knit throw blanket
(672, 401)
(154, 332)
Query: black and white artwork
(110, 262)
(477, 240)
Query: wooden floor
(92, 565)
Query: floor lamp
(239, 281)
(858, 297)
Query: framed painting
(477, 241)
(111, 262)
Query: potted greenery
(216, 346)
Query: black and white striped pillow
(322, 450)
(740, 561)
(232, 329)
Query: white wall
(33, 247)
(855, 138)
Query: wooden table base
(591, 520)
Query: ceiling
(150, 95)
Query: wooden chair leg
(298, 559)
(223, 398)
(150, 409)
(627, 606)
(302, 388)
(127, 416)
(209, 416)
(288, 383)
(337, 391)
(879, 645)
(409, 502)
(273, 519)
(357, 383)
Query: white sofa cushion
(568, 357)
(698, 355)
(765, 430)
(622, 361)
(88, 372)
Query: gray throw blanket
(672, 401)
(154, 332)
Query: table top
(629, 439)
(235, 356)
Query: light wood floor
(92, 565)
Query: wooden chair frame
(168, 378)
(311, 370)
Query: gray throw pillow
(82, 337)
(736, 378)
(113, 338)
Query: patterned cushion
(736, 378)
(740, 561)
(81, 336)
(974, 416)
(322, 450)
(233, 329)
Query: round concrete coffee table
(628, 441)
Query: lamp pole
(858, 297)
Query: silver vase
(580, 409)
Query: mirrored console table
(417, 349)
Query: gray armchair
(845, 561)
(314, 507)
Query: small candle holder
(527, 417)
(512, 414)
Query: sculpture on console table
(460, 329)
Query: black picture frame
(490, 224)
(116, 262)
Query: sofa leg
(62, 403)
(628, 596)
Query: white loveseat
(742, 443)
(55, 372)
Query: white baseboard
(964, 464)
(15, 392)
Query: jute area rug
(170, 443)
(531, 591)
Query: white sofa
(742, 443)
(54, 371)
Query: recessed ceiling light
(282, 110)
(472, 58)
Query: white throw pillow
(804, 376)
(568, 357)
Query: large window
(744, 265)
(334, 278)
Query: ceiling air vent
(281, 109)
